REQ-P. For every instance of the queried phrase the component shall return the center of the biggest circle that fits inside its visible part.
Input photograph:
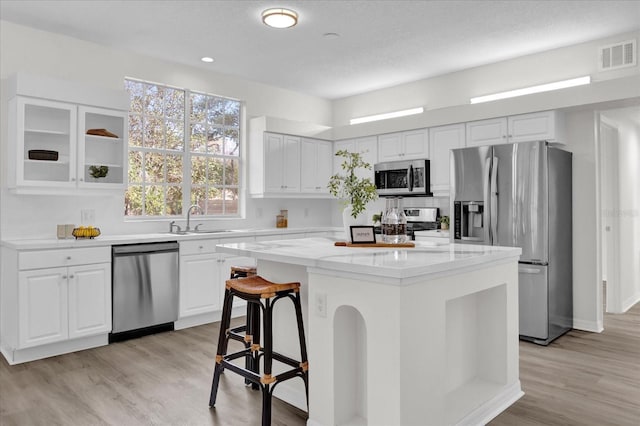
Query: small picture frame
(363, 235)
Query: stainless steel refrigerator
(519, 195)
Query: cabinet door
(308, 163)
(102, 154)
(89, 300)
(442, 140)
(416, 144)
(324, 161)
(390, 147)
(42, 307)
(273, 162)
(44, 126)
(368, 148)
(291, 164)
(487, 132)
(200, 284)
(538, 126)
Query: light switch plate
(320, 304)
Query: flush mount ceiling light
(533, 89)
(207, 59)
(387, 115)
(279, 18)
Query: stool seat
(257, 285)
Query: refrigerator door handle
(488, 236)
(494, 200)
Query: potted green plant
(354, 192)
(444, 222)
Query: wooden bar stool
(261, 295)
(243, 271)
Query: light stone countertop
(400, 263)
(109, 240)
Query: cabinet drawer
(198, 246)
(63, 257)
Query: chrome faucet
(193, 207)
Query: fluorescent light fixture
(534, 89)
(207, 59)
(279, 18)
(387, 115)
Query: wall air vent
(618, 55)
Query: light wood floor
(580, 379)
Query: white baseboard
(496, 405)
(630, 301)
(207, 318)
(592, 326)
(18, 356)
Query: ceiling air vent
(618, 55)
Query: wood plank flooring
(580, 379)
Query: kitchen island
(412, 336)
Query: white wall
(37, 52)
(627, 212)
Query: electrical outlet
(88, 216)
(320, 304)
(259, 212)
(306, 212)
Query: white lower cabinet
(61, 295)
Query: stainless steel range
(419, 219)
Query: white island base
(402, 340)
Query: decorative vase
(349, 221)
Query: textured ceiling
(381, 43)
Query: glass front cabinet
(66, 146)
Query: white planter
(349, 221)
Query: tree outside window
(170, 168)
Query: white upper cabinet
(102, 154)
(49, 149)
(42, 144)
(441, 141)
(316, 159)
(409, 145)
(281, 163)
(537, 126)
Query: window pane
(215, 171)
(136, 95)
(214, 201)
(198, 170)
(153, 132)
(215, 113)
(174, 200)
(231, 142)
(198, 138)
(153, 100)
(154, 167)
(154, 200)
(174, 103)
(198, 107)
(175, 135)
(198, 197)
(214, 141)
(232, 114)
(133, 201)
(135, 130)
(231, 201)
(174, 168)
(135, 167)
(231, 172)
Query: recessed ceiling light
(206, 59)
(280, 18)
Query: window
(171, 168)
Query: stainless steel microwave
(403, 178)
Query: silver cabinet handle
(71, 276)
(64, 277)
(73, 179)
(200, 247)
(529, 270)
(81, 179)
(68, 257)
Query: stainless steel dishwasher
(145, 289)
